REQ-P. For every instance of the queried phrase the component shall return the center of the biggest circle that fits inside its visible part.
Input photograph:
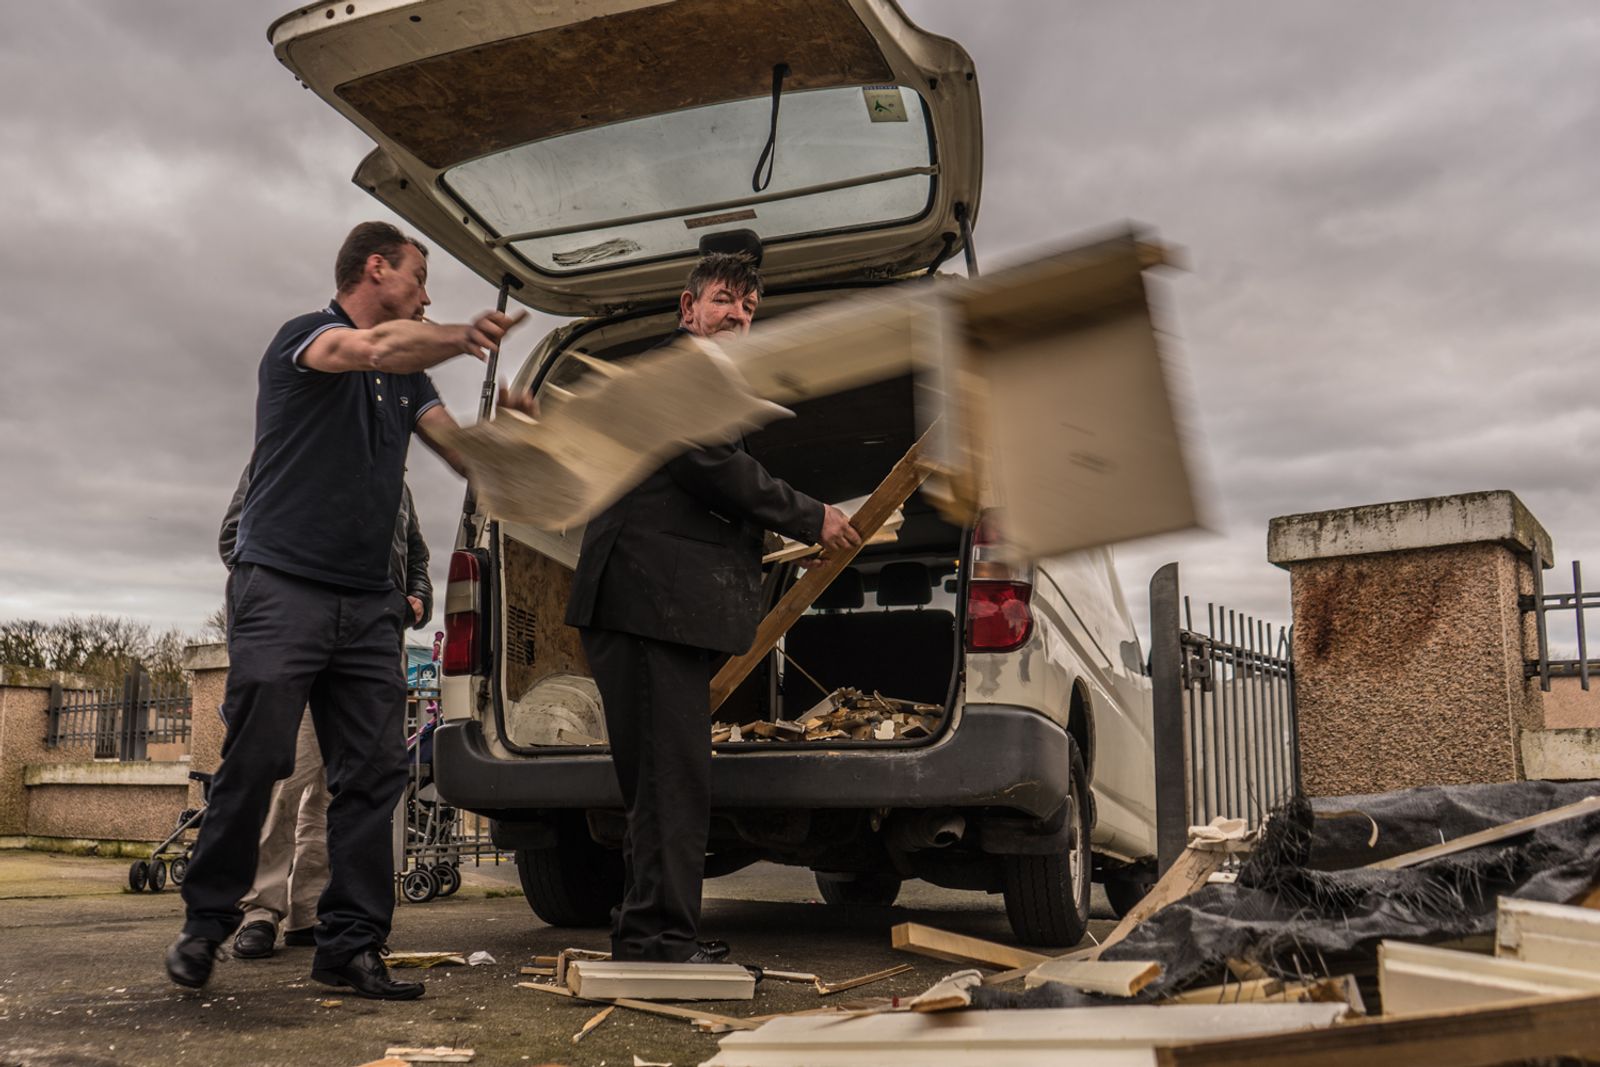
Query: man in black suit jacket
(670, 576)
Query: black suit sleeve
(732, 483)
(418, 584)
(228, 536)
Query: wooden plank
(609, 980)
(1554, 935)
(1122, 979)
(895, 489)
(430, 1055)
(1418, 979)
(1188, 872)
(1586, 806)
(958, 948)
(594, 1020)
(1481, 1037)
(825, 989)
(691, 1014)
(1121, 1036)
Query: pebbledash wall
(57, 800)
(1410, 648)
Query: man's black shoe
(190, 959)
(715, 951)
(306, 938)
(368, 976)
(255, 941)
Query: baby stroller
(170, 859)
(432, 842)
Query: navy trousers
(658, 720)
(293, 643)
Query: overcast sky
(1389, 209)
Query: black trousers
(295, 642)
(658, 719)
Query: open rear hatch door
(585, 147)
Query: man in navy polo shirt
(316, 617)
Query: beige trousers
(293, 867)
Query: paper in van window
(884, 103)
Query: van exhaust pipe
(927, 829)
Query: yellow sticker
(884, 103)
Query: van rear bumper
(997, 756)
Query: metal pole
(469, 504)
(1166, 682)
(1583, 641)
(1538, 621)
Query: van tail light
(999, 615)
(463, 616)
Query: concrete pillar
(24, 720)
(1409, 642)
(208, 676)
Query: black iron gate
(1540, 605)
(1226, 740)
(119, 722)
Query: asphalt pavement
(82, 984)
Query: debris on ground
(441, 1054)
(425, 959)
(479, 958)
(844, 714)
(594, 1020)
(826, 989)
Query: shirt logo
(405, 401)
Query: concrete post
(1409, 643)
(208, 677)
(24, 720)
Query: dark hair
(366, 239)
(734, 269)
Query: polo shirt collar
(340, 313)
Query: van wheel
(1047, 897)
(876, 888)
(576, 883)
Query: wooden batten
(1121, 979)
(607, 979)
(1553, 935)
(1416, 979)
(958, 948)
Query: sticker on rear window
(718, 220)
(884, 103)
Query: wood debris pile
(844, 714)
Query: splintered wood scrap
(594, 1020)
(431, 1055)
(424, 959)
(1188, 872)
(537, 972)
(950, 993)
(827, 989)
(1122, 979)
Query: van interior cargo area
(875, 659)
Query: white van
(583, 156)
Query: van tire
(575, 883)
(1047, 897)
(877, 888)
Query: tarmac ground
(82, 983)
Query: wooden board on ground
(431, 1055)
(958, 948)
(1122, 1036)
(608, 979)
(1416, 979)
(1480, 1037)
(1505, 831)
(648, 1007)
(1121, 979)
(1554, 935)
